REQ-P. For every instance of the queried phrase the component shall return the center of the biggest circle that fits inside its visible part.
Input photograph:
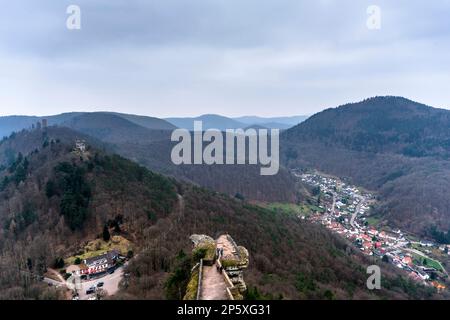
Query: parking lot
(111, 284)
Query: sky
(231, 57)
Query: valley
(63, 186)
(346, 210)
(61, 194)
(392, 145)
(275, 156)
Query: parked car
(111, 271)
(100, 284)
(90, 291)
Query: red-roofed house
(407, 260)
(367, 245)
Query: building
(44, 123)
(99, 264)
(367, 245)
(80, 145)
(407, 260)
(439, 286)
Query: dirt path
(213, 285)
(56, 275)
(180, 207)
(355, 214)
(228, 248)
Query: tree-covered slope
(55, 199)
(391, 145)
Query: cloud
(186, 57)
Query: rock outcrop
(198, 239)
(225, 253)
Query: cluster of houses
(345, 215)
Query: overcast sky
(233, 57)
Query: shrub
(106, 235)
(191, 289)
(199, 253)
(239, 196)
(130, 254)
(50, 189)
(177, 282)
(59, 263)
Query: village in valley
(346, 210)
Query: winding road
(333, 206)
(358, 207)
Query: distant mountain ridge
(9, 124)
(209, 121)
(272, 122)
(214, 121)
(114, 128)
(152, 148)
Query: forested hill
(152, 149)
(10, 124)
(55, 198)
(382, 124)
(392, 145)
(147, 141)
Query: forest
(289, 258)
(392, 146)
